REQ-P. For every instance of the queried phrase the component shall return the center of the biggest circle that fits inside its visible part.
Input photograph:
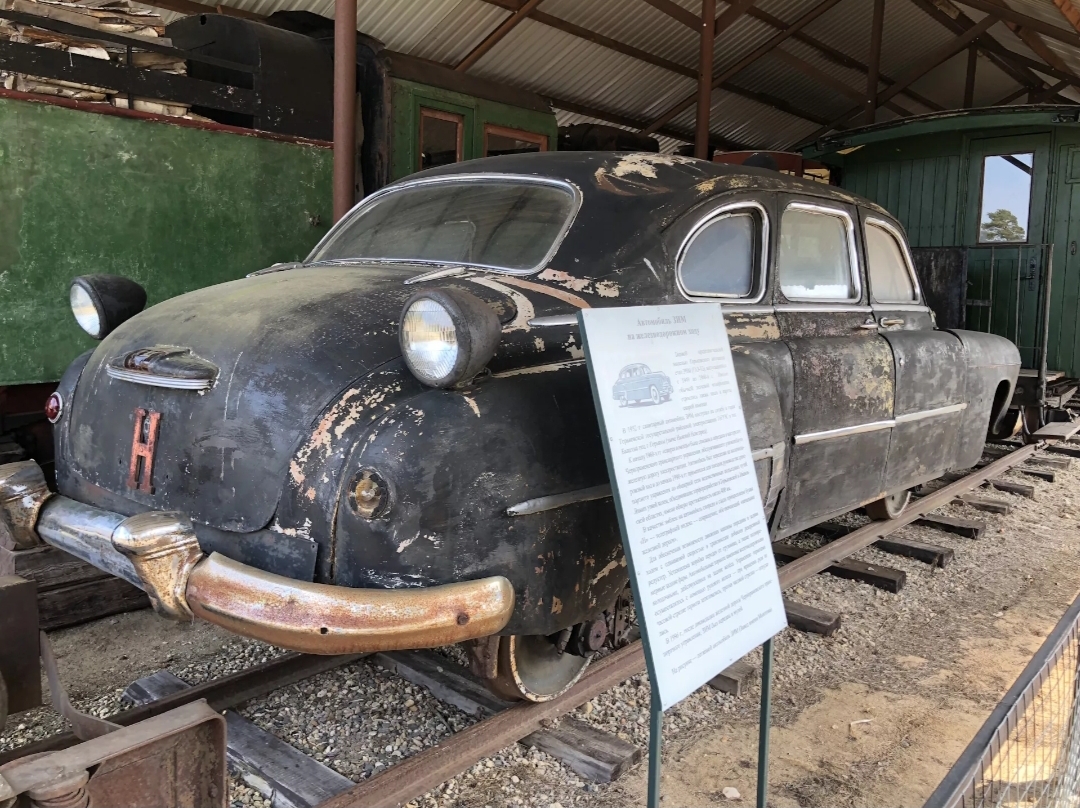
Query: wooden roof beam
(735, 9)
(1069, 12)
(496, 36)
(829, 80)
(1041, 49)
(836, 56)
(1008, 15)
(807, 17)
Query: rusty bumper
(158, 552)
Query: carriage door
(843, 368)
(1007, 203)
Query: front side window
(512, 225)
(815, 261)
(722, 257)
(890, 278)
(1006, 198)
(503, 140)
(441, 137)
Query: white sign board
(701, 563)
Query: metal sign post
(685, 488)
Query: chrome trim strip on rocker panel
(874, 426)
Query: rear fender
(993, 364)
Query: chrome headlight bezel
(474, 327)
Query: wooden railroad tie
(986, 504)
(1059, 463)
(811, 619)
(968, 528)
(1040, 474)
(591, 752)
(1008, 486)
(1061, 449)
(887, 578)
(933, 554)
(734, 678)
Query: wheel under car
(889, 507)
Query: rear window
(512, 225)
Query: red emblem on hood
(143, 445)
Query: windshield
(513, 225)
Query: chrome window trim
(853, 251)
(892, 230)
(766, 309)
(886, 307)
(360, 207)
(763, 258)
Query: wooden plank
(1059, 463)
(455, 685)
(983, 503)
(968, 528)
(813, 563)
(933, 554)
(1039, 474)
(49, 567)
(19, 643)
(80, 603)
(810, 619)
(887, 578)
(734, 678)
(1057, 430)
(589, 751)
(1057, 448)
(418, 774)
(272, 767)
(1009, 487)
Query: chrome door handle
(885, 322)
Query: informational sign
(701, 563)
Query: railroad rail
(426, 770)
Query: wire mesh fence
(1027, 754)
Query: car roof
(629, 198)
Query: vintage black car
(636, 383)
(394, 443)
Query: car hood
(280, 347)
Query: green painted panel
(408, 96)
(175, 208)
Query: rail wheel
(654, 394)
(889, 507)
(532, 668)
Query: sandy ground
(919, 671)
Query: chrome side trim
(748, 309)
(550, 503)
(763, 257)
(922, 414)
(569, 363)
(822, 308)
(448, 272)
(842, 432)
(154, 380)
(372, 199)
(553, 320)
(853, 250)
(887, 307)
(895, 232)
(762, 454)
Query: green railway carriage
(179, 204)
(994, 196)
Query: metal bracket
(83, 725)
(23, 492)
(163, 549)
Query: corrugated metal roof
(566, 65)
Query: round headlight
(102, 302)
(447, 336)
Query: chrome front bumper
(158, 552)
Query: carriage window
(440, 137)
(1006, 194)
(814, 261)
(720, 258)
(890, 280)
(502, 140)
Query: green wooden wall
(175, 208)
(408, 96)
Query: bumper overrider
(158, 552)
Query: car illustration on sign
(637, 383)
(393, 443)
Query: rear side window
(815, 260)
(890, 277)
(723, 257)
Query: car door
(929, 365)
(843, 368)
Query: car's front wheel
(532, 668)
(654, 394)
(889, 507)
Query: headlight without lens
(100, 303)
(447, 336)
